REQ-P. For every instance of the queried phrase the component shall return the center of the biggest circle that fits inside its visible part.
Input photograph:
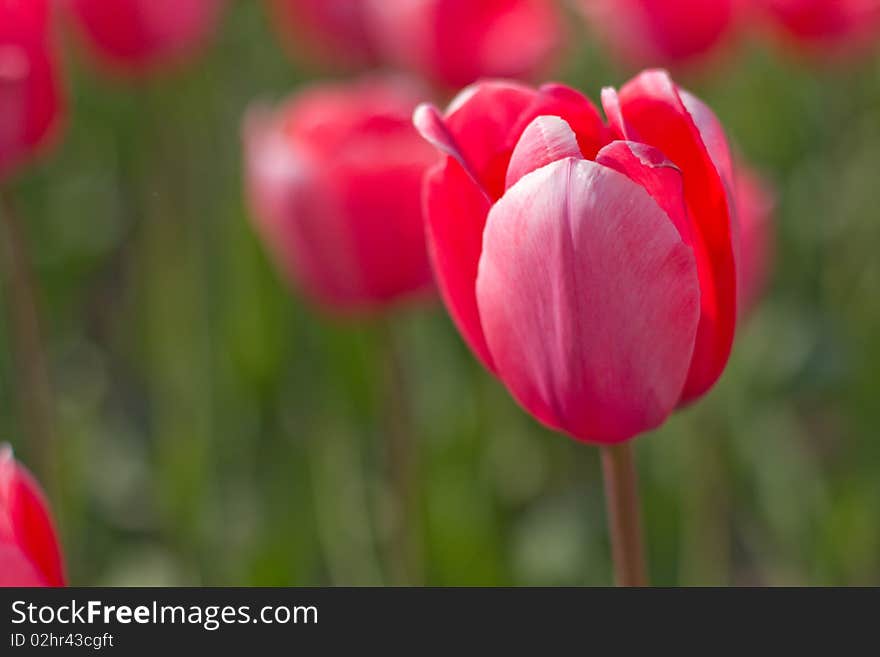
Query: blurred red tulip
(595, 277)
(652, 32)
(31, 103)
(836, 26)
(139, 37)
(334, 178)
(455, 42)
(29, 551)
(754, 205)
(335, 31)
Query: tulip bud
(29, 551)
(589, 266)
(455, 42)
(824, 26)
(140, 37)
(661, 32)
(334, 31)
(334, 179)
(31, 103)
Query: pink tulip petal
(589, 301)
(430, 124)
(17, 570)
(547, 139)
(577, 110)
(25, 523)
(649, 168)
(485, 121)
(455, 211)
(611, 105)
(652, 105)
(480, 120)
(713, 135)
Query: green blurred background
(213, 430)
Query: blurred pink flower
(755, 205)
(334, 178)
(334, 31)
(825, 26)
(589, 266)
(31, 102)
(140, 37)
(29, 551)
(661, 32)
(455, 42)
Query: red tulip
(137, 37)
(29, 551)
(334, 180)
(31, 103)
(334, 30)
(594, 277)
(651, 32)
(455, 42)
(826, 25)
(754, 204)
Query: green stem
(402, 464)
(624, 515)
(32, 383)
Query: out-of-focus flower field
(211, 427)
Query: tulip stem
(402, 464)
(33, 387)
(624, 514)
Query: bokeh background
(213, 429)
